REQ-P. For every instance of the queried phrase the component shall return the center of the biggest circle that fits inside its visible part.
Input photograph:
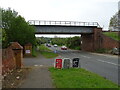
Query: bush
(74, 43)
(76, 48)
(34, 52)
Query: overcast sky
(65, 10)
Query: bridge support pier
(91, 42)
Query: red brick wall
(8, 60)
(91, 42)
(87, 42)
(12, 58)
(97, 33)
(108, 42)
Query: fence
(65, 23)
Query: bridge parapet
(63, 23)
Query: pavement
(39, 76)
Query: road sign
(75, 62)
(58, 63)
(66, 63)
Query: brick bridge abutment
(91, 42)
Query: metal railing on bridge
(64, 23)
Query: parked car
(49, 45)
(55, 45)
(116, 51)
(63, 48)
(46, 44)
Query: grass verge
(46, 52)
(78, 78)
(49, 54)
(34, 52)
(43, 48)
(113, 35)
(102, 50)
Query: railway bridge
(90, 31)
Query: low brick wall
(108, 43)
(8, 60)
(12, 58)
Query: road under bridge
(90, 31)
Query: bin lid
(66, 59)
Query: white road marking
(85, 56)
(106, 55)
(35, 65)
(38, 65)
(107, 62)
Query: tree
(21, 32)
(0, 28)
(114, 20)
(16, 29)
(59, 41)
(7, 18)
(74, 42)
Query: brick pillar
(18, 57)
(87, 42)
(97, 38)
(91, 42)
(18, 51)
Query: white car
(116, 51)
(55, 45)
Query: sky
(65, 10)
